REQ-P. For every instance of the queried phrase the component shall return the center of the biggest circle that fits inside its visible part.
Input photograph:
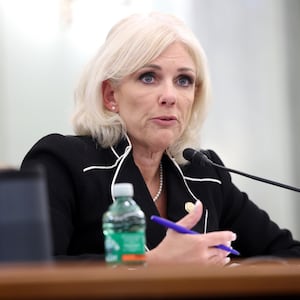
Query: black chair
(24, 221)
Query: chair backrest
(24, 218)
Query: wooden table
(97, 281)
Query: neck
(153, 177)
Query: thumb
(192, 218)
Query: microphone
(201, 158)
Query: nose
(168, 95)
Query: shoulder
(64, 143)
(65, 148)
(55, 139)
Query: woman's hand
(192, 248)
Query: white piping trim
(203, 179)
(194, 179)
(114, 151)
(121, 159)
(118, 163)
(102, 167)
(183, 177)
(127, 150)
(111, 166)
(205, 221)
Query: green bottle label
(125, 247)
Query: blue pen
(181, 229)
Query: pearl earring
(113, 107)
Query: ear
(109, 100)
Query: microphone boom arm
(256, 177)
(202, 158)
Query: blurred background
(253, 51)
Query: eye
(185, 80)
(147, 78)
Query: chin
(163, 144)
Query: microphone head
(189, 154)
(196, 156)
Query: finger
(220, 237)
(220, 261)
(192, 218)
(213, 251)
(218, 256)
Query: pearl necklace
(161, 183)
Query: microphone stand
(252, 176)
(201, 158)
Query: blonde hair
(132, 43)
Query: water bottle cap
(123, 189)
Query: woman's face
(156, 101)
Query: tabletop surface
(95, 280)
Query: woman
(140, 102)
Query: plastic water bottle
(124, 228)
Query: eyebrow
(184, 69)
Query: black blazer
(80, 176)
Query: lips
(165, 121)
(166, 118)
